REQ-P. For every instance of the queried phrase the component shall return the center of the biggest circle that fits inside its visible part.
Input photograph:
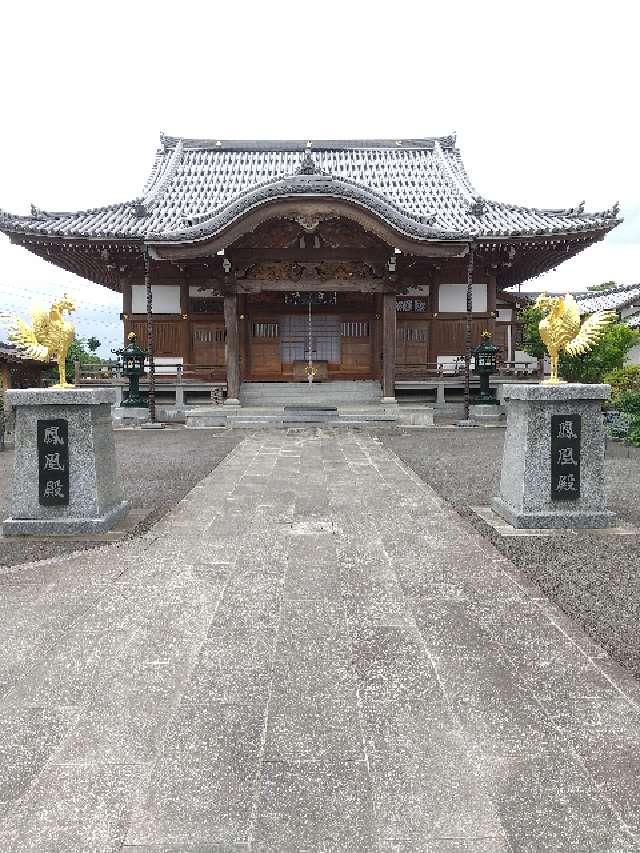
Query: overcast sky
(543, 96)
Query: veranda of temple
(232, 236)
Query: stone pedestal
(553, 464)
(65, 479)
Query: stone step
(325, 394)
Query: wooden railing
(109, 373)
(456, 368)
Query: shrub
(623, 379)
(629, 402)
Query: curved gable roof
(198, 186)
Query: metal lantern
(132, 363)
(486, 363)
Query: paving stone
(311, 653)
(117, 731)
(28, 739)
(314, 806)
(233, 667)
(194, 802)
(69, 809)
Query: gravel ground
(594, 578)
(157, 470)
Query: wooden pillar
(491, 303)
(242, 335)
(127, 309)
(185, 323)
(377, 341)
(233, 349)
(389, 346)
(434, 302)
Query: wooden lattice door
(264, 348)
(207, 344)
(412, 343)
(356, 350)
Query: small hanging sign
(565, 457)
(53, 462)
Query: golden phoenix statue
(561, 330)
(48, 337)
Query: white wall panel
(453, 297)
(165, 298)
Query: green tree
(606, 285)
(623, 379)
(608, 354)
(531, 341)
(93, 344)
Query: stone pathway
(311, 653)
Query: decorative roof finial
(615, 210)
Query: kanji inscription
(53, 462)
(565, 457)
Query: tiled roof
(609, 300)
(10, 352)
(625, 300)
(420, 187)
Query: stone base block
(65, 478)
(559, 519)
(64, 526)
(485, 411)
(553, 472)
(135, 414)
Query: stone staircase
(281, 405)
(321, 394)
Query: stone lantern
(132, 359)
(485, 357)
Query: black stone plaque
(53, 462)
(565, 457)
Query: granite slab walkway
(312, 652)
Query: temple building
(262, 260)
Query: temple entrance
(318, 340)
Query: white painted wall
(165, 299)
(162, 362)
(453, 297)
(520, 355)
